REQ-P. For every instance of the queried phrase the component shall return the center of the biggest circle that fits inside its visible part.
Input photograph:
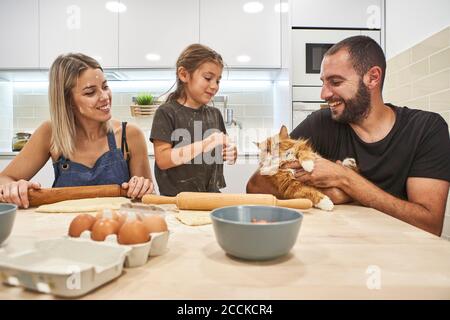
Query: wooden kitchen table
(351, 253)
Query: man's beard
(356, 108)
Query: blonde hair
(191, 59)
(64, 73)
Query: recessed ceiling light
(115, 6)
(253, 7)
(152, 57)
(282, 7)
(243, 58)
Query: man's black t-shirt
(180, 126)
(418, 145)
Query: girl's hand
(229, 153)
(214, 140)
(138, 187)
(17, 192)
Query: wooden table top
(351, 253)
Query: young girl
(189, 137)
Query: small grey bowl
(7, 216)
(239, 237)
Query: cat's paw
(308, 165)
(325, 204)
(349, 163)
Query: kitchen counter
(351, 253)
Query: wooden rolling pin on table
(210, 201)
(52, 195)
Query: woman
(81, 138)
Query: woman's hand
(17, 192)
(229, 153)
(138, 187)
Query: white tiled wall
(420, 78)
(6, 115)
(24, 109)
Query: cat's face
(274, 151)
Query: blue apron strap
(124, 144)
(111, 141)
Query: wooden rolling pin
(52, 195)
(210, 201)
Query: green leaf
(144, 99)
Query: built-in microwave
(309, 47)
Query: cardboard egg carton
(64, 267)
(139, 253)
(71, 267)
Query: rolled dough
(193, 218)
(84, 205)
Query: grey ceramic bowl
(7, 216)
(239, 237)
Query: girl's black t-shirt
(418, 145)
(180, 126)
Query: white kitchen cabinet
(152, 33)
(78, 26)
(237, 175)
(337, 14)
(19, 36)
(243, 39)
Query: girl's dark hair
(190, 59)
(364, 52)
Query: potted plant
(145, 105)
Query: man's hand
(326, 174)
(336, 195)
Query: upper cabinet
(337, 14)
(140, 33)
(153, 33)
(246, 33)
(19, 37)
(90, 27)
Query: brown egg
(154, 223)
(103, 228)
(112, 214)
(81, 223)
(133, 232)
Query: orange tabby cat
(279, 149)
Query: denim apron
(110, 168)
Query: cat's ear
(256, 143)
(284, 133)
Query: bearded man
(403, 154)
